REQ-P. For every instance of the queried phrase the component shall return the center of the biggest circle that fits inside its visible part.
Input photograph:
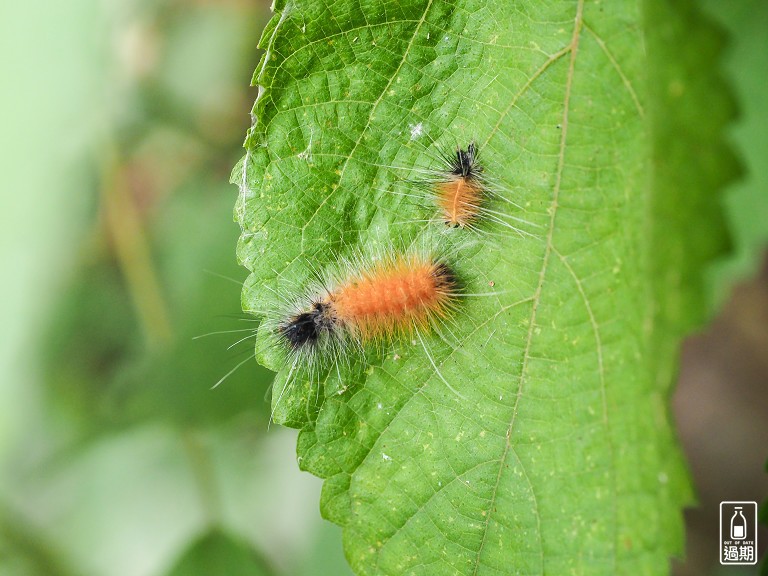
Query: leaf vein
(573, 49)
(374, 107)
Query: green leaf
(558, 455)
(746, 201)
(218, 553)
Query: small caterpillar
(461, 194)
(370, 302)
(395, 296)
(458, 185)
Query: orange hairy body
(394, 296)
(459, 200)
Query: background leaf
(746, 201)
(217, 553)
(561, 458)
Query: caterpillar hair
(392, 296)
(458, 184)
(400, 295)
(461, 194)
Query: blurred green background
(121, 122)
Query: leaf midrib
(573, 49)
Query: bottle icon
(738, 525)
